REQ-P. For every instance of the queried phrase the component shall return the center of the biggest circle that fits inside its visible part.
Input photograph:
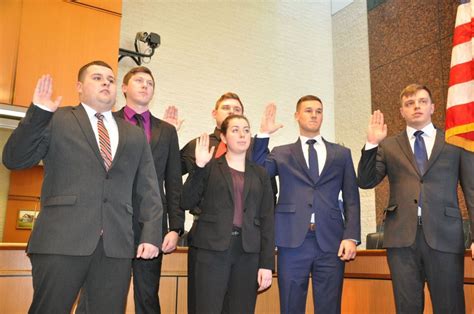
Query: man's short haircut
(134, 71)
(83, 69)
(225, 123)
(307, 98)
(229, 95)
(412, 89)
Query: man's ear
(79, 86)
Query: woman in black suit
(234, 235)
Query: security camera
(153, 40)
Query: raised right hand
(267, 123)
(43, 93)
(171, 116)
(203, 153)
(377, 129)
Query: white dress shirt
(109, 123)
(320, 148)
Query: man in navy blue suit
(313, 234)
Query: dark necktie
(140, 121)
(421, 156)
(104, 141)
(313, 160)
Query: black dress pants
(57, 280)
(226, 282)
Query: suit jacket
(442, 221)
(165, 150)
(80, 200)
(211, 188)
(299, 197)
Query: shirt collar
(130, 113)
(428, 130)
(318, 138)
(91, 112)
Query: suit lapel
(226, 174)
(437, 148)
(404, 144)
(297, 153)
(155, 131)
(86, 127)
(121, 126)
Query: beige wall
(262, 50)
(352, 91)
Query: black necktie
(313, 160)
(421, 156)
(140, 121)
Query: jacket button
(105, 200)
(310, 205)
(421, 181)
(415, 201)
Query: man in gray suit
(93, 165)
(423, 223)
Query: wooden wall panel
(58, 37)
(114, 6)
(10, 19)
(26, 182)
(16, 294)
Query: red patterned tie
(104, 141)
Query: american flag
(460, 105)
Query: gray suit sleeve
(467, 183)
(147, 191)
(372, 168)
(29, 142)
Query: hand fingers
(341, 251)
(139, 250)
(264, 283)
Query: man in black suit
(138, 87)
(93, 165)
(423, 225)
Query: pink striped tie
(104, 141)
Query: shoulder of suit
(283, 147)
(336, 146)
(162, 123)
(393, 138)
(61, 111)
